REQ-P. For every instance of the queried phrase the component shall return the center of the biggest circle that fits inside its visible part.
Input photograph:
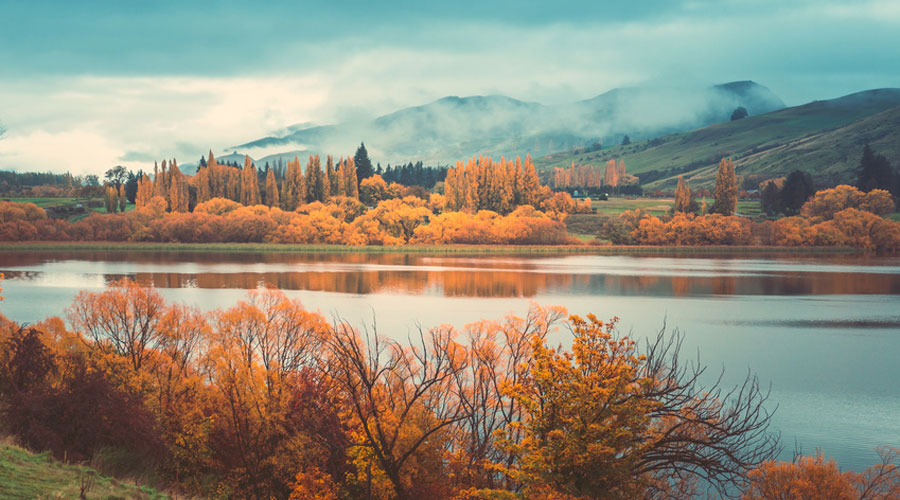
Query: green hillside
(825, 138)
(29, 475)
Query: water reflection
(465, 277)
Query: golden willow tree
(482, 184)
(726, 194)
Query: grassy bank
(31, 475)
(416, 249)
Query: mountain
(825, 138)
(454, 128)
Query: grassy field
(37, 476)
(824, 138)
(46, 203)
(659, 206)
(615, 206)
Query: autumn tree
(124, 319)
(294, 188)
(684, 200)
(815, 477)
(249, 183)
(825, 204)
(335, 184)
(726, 193)
(607, 421)
(272, 199)
(315, 180)
(500, 357)
(483, 184)
(111, 199)
(611, 174)
(403, 400)
(348, 178)
(258, 349)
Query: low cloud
(802, 50)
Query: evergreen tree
(363, 164)
(798, 187)
(739, 113)
(770, 199)
(131, 186)
(875, 172)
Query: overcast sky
(88, 85)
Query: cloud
(211, 88)
(133, 120)
(78, 152)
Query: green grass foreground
(36, 475)
(417, 249)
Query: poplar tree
(271, 189)
(122, 199)
(348, 178)
(249, 183)
(315, 180)
(726, 189)
(683, 201)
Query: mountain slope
(453, 128)
(823, 137)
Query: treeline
(843, 216)
(48, 184)
(341, 221)
(413, 174)
(482, 184)
(611, 176)
(266, 399)
(487, 202)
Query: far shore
(418, 249)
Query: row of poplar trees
(242, 185)
(483, 184)
(726, 193)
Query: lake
(823, 330)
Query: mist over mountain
(825, 138)
(453, 128)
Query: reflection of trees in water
(450, 276)
(448, 283)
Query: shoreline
(421, 249)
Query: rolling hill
(824, 138)
(454, 128)
(30, 475)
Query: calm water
(823, 331)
